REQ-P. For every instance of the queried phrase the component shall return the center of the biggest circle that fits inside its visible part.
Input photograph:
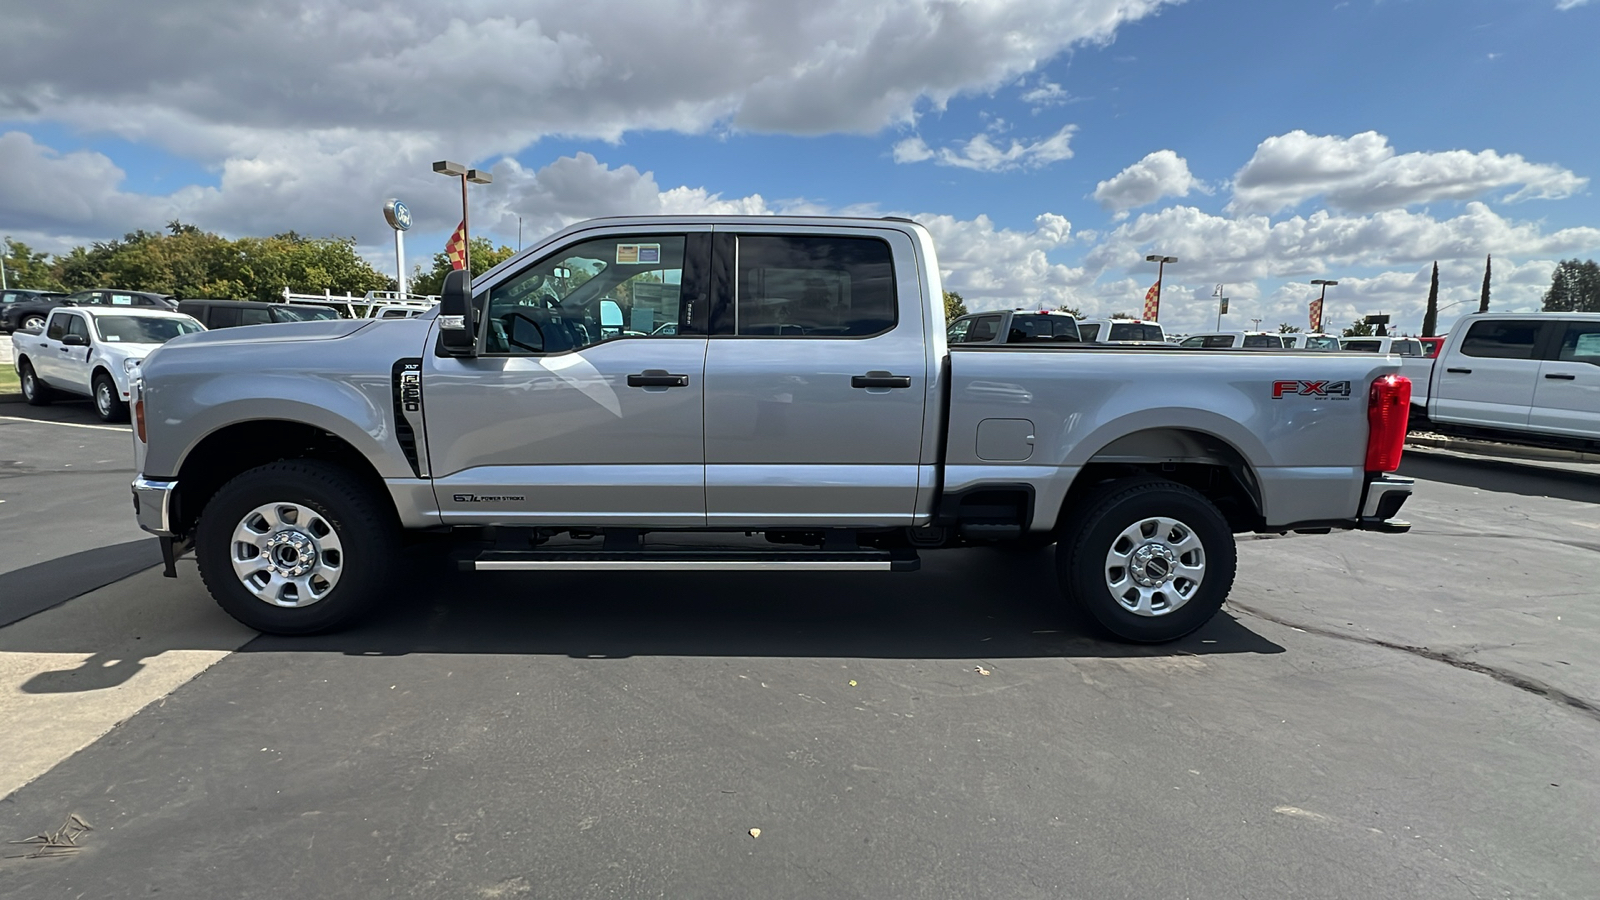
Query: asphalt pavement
(1371, 716)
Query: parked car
(30, 315)
(20, 295)
(808, 396)
(216, 314)
(1309, 341)
(94, 351)
(1014, 326)
(1532, 377)
(1228, 340)
(1122, 331)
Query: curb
(11, 398)
(1501, 451)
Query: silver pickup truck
(805, 394)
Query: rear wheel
(296, 547)
(36, 392)
(33, 322)
(107, 403)
(1150, 560)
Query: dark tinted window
(1363, 346)
(1501, 340)
(1129, 331)
(1263, 340)
(222, 317)
(251, 315)
(58, 327)
(823, 286)
(1217, 341)
(957, 332)
(984, 330)
(1581, 343)
(1028, 329)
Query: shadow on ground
(967, 604)
(1504, 477)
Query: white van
(1535, 374)
(1227, 340)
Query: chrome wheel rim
(102, 398)
(32, 322)
(1155, 566)
(28, 386)
(286, 554)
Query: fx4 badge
(1336, 390)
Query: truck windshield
(144, 329)
(1135, 331)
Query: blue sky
(1263, 143)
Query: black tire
(1112, 509)
(364, 525)
(107, 405)
(36, 392)
(31, 322)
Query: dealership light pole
(1161, 268)
(1325, 283)
(1222, 305)
(457, 170)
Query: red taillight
(1388, 413)
(138, 419)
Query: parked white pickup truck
(807, 394)
(93, 351)
(1528, 376)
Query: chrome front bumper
(152, 505)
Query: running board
(692, 561)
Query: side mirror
(458, 332)
(74, 340)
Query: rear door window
(958, 331)
(253, 316)
(984, 329)
(819, 286)
(1507, 339)
(222, 317)
(1580, 344)
(1218, 341)
(1196, 341)
(1263, 340)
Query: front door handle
(1459, 371)
(877, 379)
(1561, 376)
(657, 378)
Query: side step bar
(692, 561)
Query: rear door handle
(657, 378)
(877, 379)
(1561, 376)
(1459, 371)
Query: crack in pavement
(1521, 682)
(1581, 545)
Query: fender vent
(405, 385)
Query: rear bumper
(152, 505)
(1384, 496)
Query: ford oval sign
(397, 215)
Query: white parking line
(67, 424)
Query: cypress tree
(1483, 304)
(1430, 319)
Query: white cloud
(982, 154)
(1362, 173)
(1160, 174)
(1045, 93)
(1565, 5)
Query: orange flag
(1152, 302)
(456, 247)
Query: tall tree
(1574, 287)
(1483, 301)
(27, 269)
(1430, 319)
(954, 306)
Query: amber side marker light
(138, 419)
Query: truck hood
(327, 330)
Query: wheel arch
(238, 447)
(1195, 457)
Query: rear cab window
(1580, 344)
(1364, 346)
(1135, 331)
(1036, 328)
(1263, 340)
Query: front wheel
(107, 404)
(1150, 560)
(296, 547)
(32, 322)
(36, 392)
